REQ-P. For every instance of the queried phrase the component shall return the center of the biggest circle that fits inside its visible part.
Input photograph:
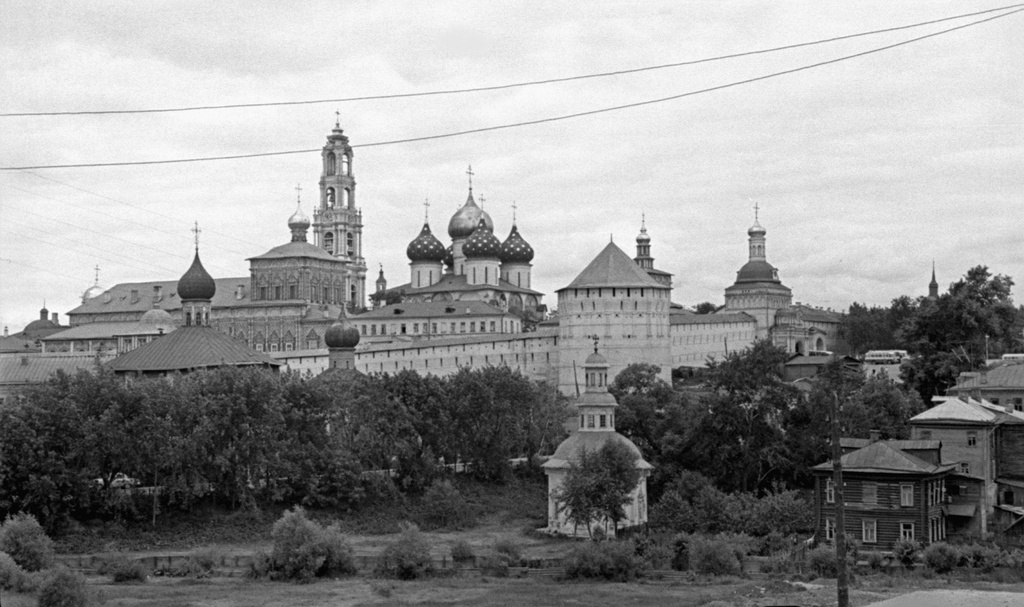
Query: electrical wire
(526, 122)
(508, 85)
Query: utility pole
(842, 579)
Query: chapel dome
(425, 247)
(464, 222)
(196, 282)
(156, 317)
(94, 291)
(515, 249)
(643, 237)
(595, 360)
(341, 335)
(756, 229)
(757, 271)
(482, 243)
(298, 220)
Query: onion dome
(515, 249)
(341, 335)
(449, 257)
(756, 229)
(643, 237)
(298, 220)
(595, 360)
(425, 247)
(196, 283)
(482, 243)
(757, 271)
(464, 222)
(93, 291)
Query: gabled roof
(190, 348)
(94, 330)
(613, 268)
(951, 408)
(431, 309)
(457, 340)
(912, 445)
(686, 317)
(882, 457)
(118, 298)
(1002, 377)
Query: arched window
(330, 167)
(346, 168)
(330, 198)
(350, 240)
(345, 195)
(352, 298)
(329, 242)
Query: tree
(705, 307)
(388, 297)
(599, 484)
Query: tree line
(241, 438)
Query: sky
(865, 171)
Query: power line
(48, 271)
(525, 122)
(509, 85)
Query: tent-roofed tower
(596, 411)
(933, 286)
(758, 291)
(615, 300)
(337, 222)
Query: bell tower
(337, 222)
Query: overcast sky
(865, 170)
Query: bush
(510, 551)
(304, 550)
(122, 569)
(906, 551)
(615, 561)
(681, 552)
(64, 588)
(408, 557)
(462, 552)
(654, 554)
(875, 560)
(981, 557)
(822, 561)
(11, 575)
(941, 557)
(713, 556)
(777, 563)
(24, 540)
(444, 507)
(200, 564)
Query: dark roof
(430, 309)
(882, 457)
(806, 312)
(196, 283)
(120, 297)
(190, 348)
(459, 283)
(913, 445)
(570, 448)
(36, 368)
(686, 317)
(458, 340)
(297, 249)
(93, 330)
(1002, 377)
(758, 271)
(613, 268)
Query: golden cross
(470, 173)
(196, 231)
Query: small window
(965, 467)
(472, 326)
(870, 493)
(907, 495)
(830, 492)
(603, 421)
(433, 327)
(403, 328)
(926, 435)
(869, 531)
(906, 531)
(830, 529)
(259, 347)
(462, 327)
(492, 326)
(590, 421)
(972, 439)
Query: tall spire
(933, 286)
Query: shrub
(304, 550)
(64, 588)
(941, 557)
(509, 550)
(24, 540)
(122, 569)
(906, 551)
(444, 507)
(654, 554)
(261, 566)
(778, 562)
(875, 560)
(981, 557)
(200, 564)
(773, 543)
(494, 565)
(408, 557)
(615, 561)
(11, 575)
(713, 556)
(681, 552)
(462, 552)
(822, 561)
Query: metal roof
(431, 309)
(951, 408)
(119, 297)
(298, 249)
(613, 268)
(881, 457)
(468, 339)
(94, 330)
(36, 368)
(686, 317)
(1004, 377)
(190, 348)
(459, 283)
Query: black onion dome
(449, 256)
(425, 247)
(757, 271)
(341, 335)
(196, 283)
(463, 223)
(515, 249)
(482, 243)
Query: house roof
(459, 283)
(816, 314)
(1002, 377)
(94, 330)
(569, 450)
(190, 348)
(431, 309)
(613, 268)
(297, 249)
(951, 408)
(686, 317)
(118, 299)
(882, 457)
(36, 368)
(912, 445)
